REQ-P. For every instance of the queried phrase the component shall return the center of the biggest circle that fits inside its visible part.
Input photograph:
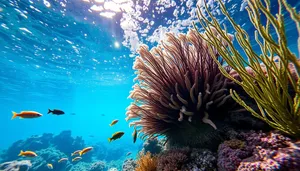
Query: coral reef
(259, 151)
(69, 144)
(173, 159)
(98, 166)
(80, 166)
(129, 165)
(109, 153)
(33, 143)
(153, 145)
(201, 160)
(146, 162)
(186, 159)
(271, 75)
(23, 165)
(48, 155)
(181, 93)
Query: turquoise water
(77, 56)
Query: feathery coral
(180, 87)
(271, 72)
(146, 162)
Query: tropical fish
(134, 135)
(128, 153)
(26, 114)
(50, 166)
(115, 136)
(114, 122)
(76, 159)
(75, 152)
(56, 112)
(27, 154)
(62, 159)
(85, 150)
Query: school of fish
(76, 155)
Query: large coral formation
(33, 143)
(272, 73)
(146, 162)
(23, 165)
(49, 155)
(98, 166)
(129, 165)
(70, 144)
(186, 159)
(181, 92)
(259, 151)
(153, 145)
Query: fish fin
(49, 111)
(14, 115)
(21, 152)
(80, 153)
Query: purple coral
(261, 151)
(173, 159)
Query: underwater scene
(150, 85)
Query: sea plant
(146, 162)
(180, 93)
(273, 72)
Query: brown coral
(181, 91)
(146, 162)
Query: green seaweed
(270, 81)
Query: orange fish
(76, 159)
(114, 122)
(62, 159)
(27, 154)
(75, 152)
(26, 114)
(85, 150)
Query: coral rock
(260, 151)
(23, 165)
(129, 165)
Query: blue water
(63, 54)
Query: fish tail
(21, 153)
(14, 115)
(109, 139)
(49, 111)
(72, 154)
(80, 153)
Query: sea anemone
(180, 91)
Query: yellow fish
(85, 150)
(26, 114)
(76, 159)
(27, 154)
(114, 122)
(75, 152)
(50, 166)
(115, 136)
(62, 159)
